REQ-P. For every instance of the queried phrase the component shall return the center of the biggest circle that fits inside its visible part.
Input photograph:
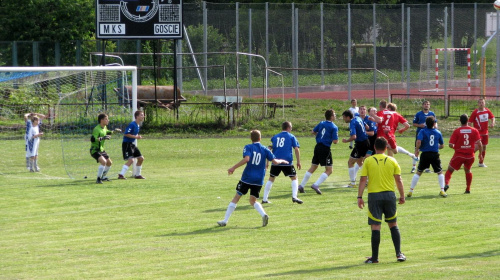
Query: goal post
(450, 64)
(77, 95)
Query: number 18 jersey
(255, 170)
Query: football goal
(438, 65)
(76, 96)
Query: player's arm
(240, 163)
(133, 136)
(417, 147)
(280, 161)
(493, 122)
(26, 116)
(375, 118)
(362, 184)
(406, 126)
(352, 138)
(399, 185)
(297, 156)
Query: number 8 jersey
(255, 170)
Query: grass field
(165, 227)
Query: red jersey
(398, 119)
(387, 124)
(464, 138)
(480, 120)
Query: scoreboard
(139, 19)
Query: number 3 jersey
(255, 170)
(283, 145)
(464, 139)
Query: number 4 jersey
(255, 170)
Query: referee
(382, 171)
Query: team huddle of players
(365, 126)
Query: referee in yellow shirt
(382, 171)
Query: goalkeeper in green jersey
(99, 135)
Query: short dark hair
(329, 113)
(255, 135)
(383, 103)
(430, 121)
(380, 144)
(137, 113)
(392, 107)
(347, 113)
(464, 118)
(286, 125)
(101, 117)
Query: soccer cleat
(301, 189)
(105, 179)
(409, 194)
(121, 177)
(265, 220)
(32, 170)
(98, 181)
(266, 201)
(443, 194)
(427, 170)
(37, 169)
(371, 260)
(467, 192)
(414, 157)
(350, 185)
(446, 188)
(296, 200)
(401, 257)
(139, 177)
(482, 165)
(413, 169)
(221, 223)
(316, 189)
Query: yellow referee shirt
(380, 170)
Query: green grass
(165, 227)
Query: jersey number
(280, 142)
(431, 140)
(256, 158)
(466, 139)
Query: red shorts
(458, 160)
(484, 139)
(391, 140)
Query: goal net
(451, 65)
(75, 96)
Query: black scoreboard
(139, 19)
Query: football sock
(35, 163)
(402, 150)
(414, 182)
(229, 211)
(124, 170)
(447, 177)
(138, 170)
(267, 190)
(484, 155)
(375, 243)
(441, 181)
(306, 178)
(295, 188)
(100, 170)
(356, 168)
(27, 162)
(414, 162)
(105, 172)
(468, 180)
(259, 209)
(321, 179)
(396, 239)
(352, 175)
(32, 163)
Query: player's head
(426, 105)
(102, 118)
(464, 118)
(393, 107)
(430, 122)
(372, 110)
(347, 116)
(382, 104)
(329, 114)
(35, 120)
(255, 135)
(354, 102)
(286, 125)
(481, 103)
(138, 114)
(362, 110)
(380, 144)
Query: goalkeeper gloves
(107, 137)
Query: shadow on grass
(210, 230)
(319, 270)
(242, 207)
(491, 253)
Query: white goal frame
(133, 70)
(436, 68)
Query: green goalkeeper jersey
(96, 144)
